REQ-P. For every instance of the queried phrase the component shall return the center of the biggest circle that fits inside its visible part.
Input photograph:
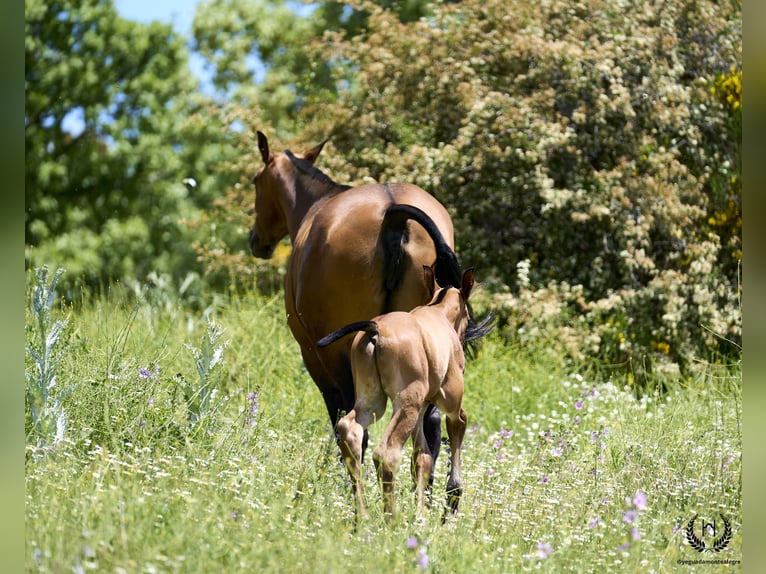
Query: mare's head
(452, 301)
(274, 194)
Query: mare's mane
(310, 170)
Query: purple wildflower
(578, 405)
(593, 523)
(500, 456)
(543, 480)
(630, 516)
(505, 433)
(498, 443)
(150, 402)
(639, 500)
(145, 373)
(422, 558)
(544, 550)
(412, 542)
(635, 534)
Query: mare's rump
(337, 273)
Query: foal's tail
(369, 327)
(393, 228)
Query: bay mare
(357, 252)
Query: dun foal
(415, 359)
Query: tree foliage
(588, 153)
(113, 124)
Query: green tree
(114, 123)
(261, 52)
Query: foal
(415, 359)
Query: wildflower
(543, 480)
(635, 534)
(578, 405)
(639, 500)
(150, 402)
(422, 558)
(505, 433)
(544, 550)
(593, 523)
(412, 542)
(145, 373)
(630, 516)
(254, 401)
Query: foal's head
(452, 301)
(274, 191)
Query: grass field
(191, 439)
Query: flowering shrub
(593, 144)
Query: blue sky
(180, 13)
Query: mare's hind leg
(456, 425)
(432, 429)
(422, 463)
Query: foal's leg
(350, 439)
(387, 455)
(456, 424)
(422, 462)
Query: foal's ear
(467, 285)
(430, 277)
(312, 155)
(263, 146)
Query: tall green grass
(562, 471)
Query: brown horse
(357, 252)
(414, 359)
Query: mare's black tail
(369, 327)
(446, 269)
(393, 234)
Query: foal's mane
(440, 296)
(310, 170)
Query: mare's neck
(307, 192)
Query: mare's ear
(263, 146)
(312, 155)
(467, 285)
(430, 277)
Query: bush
(594, 144)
